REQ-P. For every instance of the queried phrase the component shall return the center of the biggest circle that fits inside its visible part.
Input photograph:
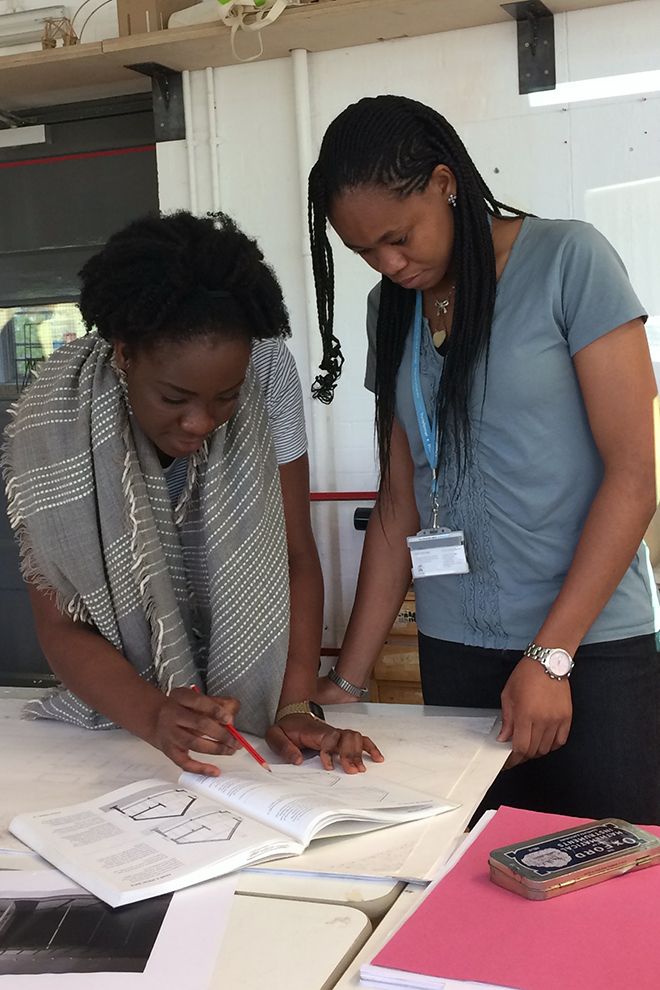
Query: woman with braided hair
(157, 478)
(515, 404)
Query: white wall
(557, 162)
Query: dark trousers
(610, 765)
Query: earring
(452, 200)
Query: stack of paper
(467, 931)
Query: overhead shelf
(88, 71)
(64, 75)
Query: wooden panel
(91, 70)
(393, 693)
(396, 678)
(397, 663)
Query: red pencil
(239, 738)
(246, 745)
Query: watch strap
(300, 708)
(347, 686)
(541, 653)
(535, 652)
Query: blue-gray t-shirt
(535, 467)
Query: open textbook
(155, 836)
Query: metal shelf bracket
(536, 45)
(167, 99)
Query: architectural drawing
(215, 826)
(172, 803)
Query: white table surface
(92, 763)
(304, 932)
(273, 944)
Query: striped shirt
(277, 375)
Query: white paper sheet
(455, 757)
(48, 763)
(69, 939)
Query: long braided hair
(395, 143)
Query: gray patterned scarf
(191, 594)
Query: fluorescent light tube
(14, 137)
(598, 89)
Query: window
(30, 334)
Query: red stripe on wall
(342, 496)
(79, 156)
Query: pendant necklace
(441, 309)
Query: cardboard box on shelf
(396, 677)
(405, 623)
(398, 661)
(143, 16)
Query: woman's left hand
(536, 712)
(300, 731)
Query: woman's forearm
(385, 574)
(615, 525)
(385, 571)
(619, 391)
(305, 585)
(305, 628)
(90, 667)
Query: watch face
(316, 709)
(559, 663)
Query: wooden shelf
(88, 71)
(64, 75)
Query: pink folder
(605, 937)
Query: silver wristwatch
(341, 682)
(557, 663)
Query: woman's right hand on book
(186, 720)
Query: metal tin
(573, 858)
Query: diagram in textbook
(215, 826)
(172, 807)
(171, 803)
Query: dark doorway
(59, 203)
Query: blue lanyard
(428, 428)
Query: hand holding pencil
(241, 740)
(185, 721)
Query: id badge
(437, 551)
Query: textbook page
(147, 839)
(47, 764)
(306, 803)
(452, 757)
